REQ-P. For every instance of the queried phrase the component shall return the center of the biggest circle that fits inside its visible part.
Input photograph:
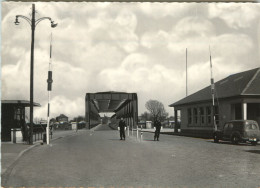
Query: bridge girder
(122, 104)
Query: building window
(189, 116)
(195, 115)
(208, 111)
(202, 115)
(19, 114)
(226, 127)
(216, 112)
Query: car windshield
(251, 126)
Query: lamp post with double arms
(33, 23)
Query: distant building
(62, 118)
(236, 97)
(13, 116)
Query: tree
(146, 116)
(52, 120)
(157, 110)
(78, 119)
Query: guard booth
(124, 105)
(13, 118)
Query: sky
(125, 47)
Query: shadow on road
(254, 151)
(148, 140)
(230, 143)
(116, 139)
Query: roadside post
(141, 137)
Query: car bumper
(251, 139)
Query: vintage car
(238, 131)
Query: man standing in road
(121, 127)
(157, 125)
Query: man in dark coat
(24, 130)
(122, 126)
(157, 125)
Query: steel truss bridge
(124, 105)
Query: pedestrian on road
(24, 130)
(122, 126)
(157, 125)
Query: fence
(39, 132)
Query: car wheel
(215, 138)
(235, 139)
(254, 143)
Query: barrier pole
(137, 132)
(132, 123)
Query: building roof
(110, 92)
(20, 102)
(240, 84)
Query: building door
(253, 110)
(177, 119)
(238, 111)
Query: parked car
(238, 131)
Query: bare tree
(157, 110)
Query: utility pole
(31, 76)
(33, 23)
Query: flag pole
(212, 91)
(186, 73)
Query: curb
(6, 174)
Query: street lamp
(33, 23)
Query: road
(99, 159)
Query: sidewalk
(10, 152)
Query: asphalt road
(99, 159)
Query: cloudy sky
(128, 47)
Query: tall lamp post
(33, 23)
